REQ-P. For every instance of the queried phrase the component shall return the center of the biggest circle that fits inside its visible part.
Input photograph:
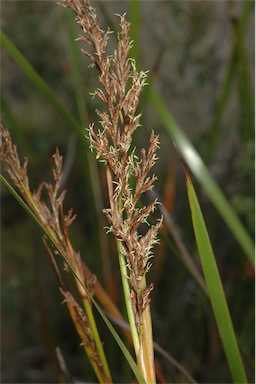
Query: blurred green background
(200, 55)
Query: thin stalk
(102, 376)
(126, 289)
(104, 372)
(98, 369)
(119, 341)
(142, 342)
(146, 353)
(37, 212)
(95, 333)
(124, 277)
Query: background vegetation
(200, 56)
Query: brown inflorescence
(55, 223)
(128, 174)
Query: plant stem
(146, 353)
(126, 289)
(105, 375)
(142, 341)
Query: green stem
(125, 283)
(126, 289)
(105, 375)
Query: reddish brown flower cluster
(55, 223)
(50, 216)
(128, 175)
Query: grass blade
(215, 288)
(63, 112)
(121, 344)
(40, 84)
(204, 177)
(21, 202)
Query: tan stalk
(103, 375)
(146, 352)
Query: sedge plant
(129, 176)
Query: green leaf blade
(215, 288)
(39, 83)
(204, 177)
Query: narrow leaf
(204, 177)
(21, 202)
(38, 81)
(215, 288)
